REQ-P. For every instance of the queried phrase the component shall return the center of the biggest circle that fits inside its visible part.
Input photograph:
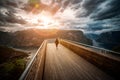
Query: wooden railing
(36, 65)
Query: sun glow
(49, 22)
(46, 20)
(43, 20)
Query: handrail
(116, 53)
(31, 62)
(101, 51)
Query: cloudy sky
(91, 16)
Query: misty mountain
(92, 36)
(111, 37)
(34, 37)
(111, 40)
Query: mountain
(111, 39)
(34, 37)
(91, 36)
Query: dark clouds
(113, 11)
(104, 13)
(90, 6)
(100, 13)
(101, 9)
(96, 9)
(7, 13)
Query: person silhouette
(57, 42)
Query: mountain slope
(34, 37)
(12, 63)
(110, 40)
(112, 37)
(7, 54)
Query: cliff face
(112, 37)
(111, 40)
(34, 37)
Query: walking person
(57, 42)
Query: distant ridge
(34, 37)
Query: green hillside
(12, 63)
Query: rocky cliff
(111, 40)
